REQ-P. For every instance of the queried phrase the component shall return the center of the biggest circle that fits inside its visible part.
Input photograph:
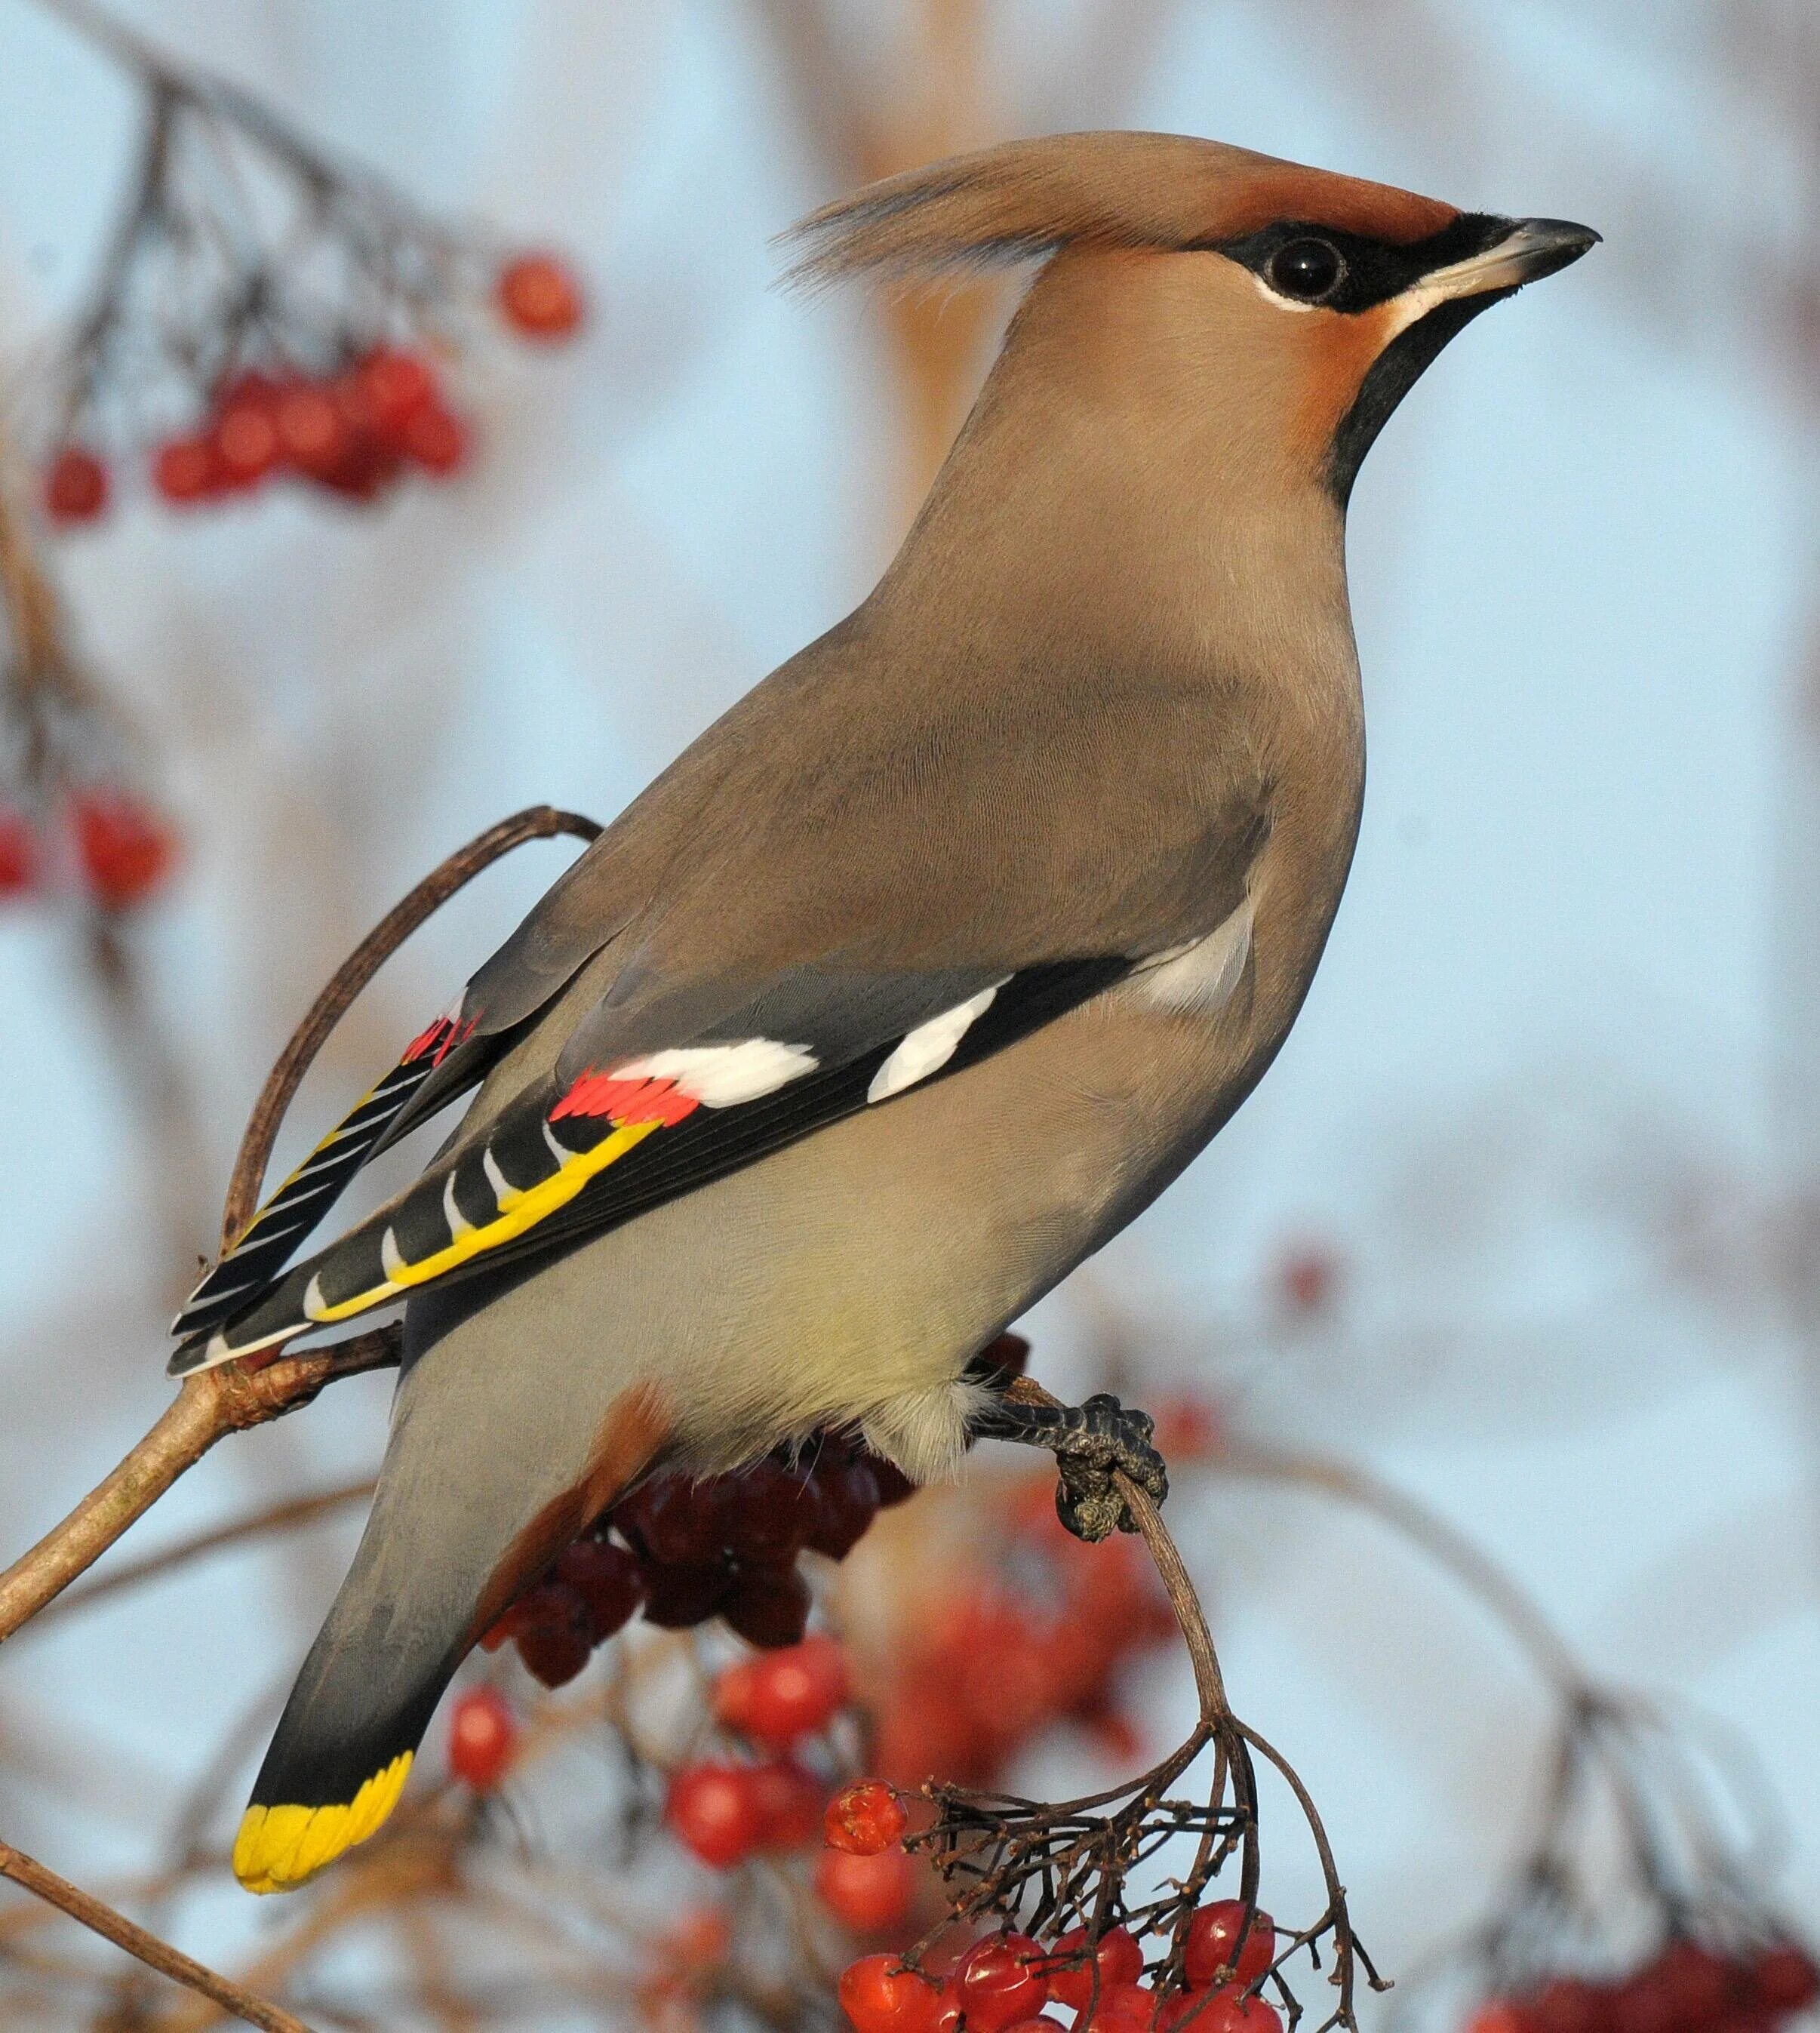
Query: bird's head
(1285, 310)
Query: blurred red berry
(866, 1894)
(1642, 2004)
(768, 1606)
(1119, 1960)
(1784, 1977)
(864, 1818)
(313, 432)
(539, 297)
(1213, 1942)
(185, 470)
(1699, 1983)
(787, 1695)
(1000, 1980)
(126, 849)
(75, 486)
(1567, 2005)
(789, 1804)
(607, 1580)
(394, 385)
(879, 1996)
(436, 439)
(715, 1811)
(1308, 1277)
(246, 436)
(483, 1733)
(1501, 2015)
(18, 854)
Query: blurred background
(1524, 1221)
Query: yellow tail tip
(279, 1848)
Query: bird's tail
(472, 1507)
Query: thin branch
(538, 822)
(285, 1517)
(211, 1404)
(102, 1920)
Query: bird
(926, 967)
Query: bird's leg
(1089, 1442)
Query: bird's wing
(611, 1133)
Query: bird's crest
(1024, 200)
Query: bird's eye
(1306, 270)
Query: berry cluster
(305, 334)
(122, 849)
(1688, 1987)
(684, 1550)
(770, 1801)
(1004, 1655)
(1007, 1982)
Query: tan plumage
(1010, 886)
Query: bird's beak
(1523, 251)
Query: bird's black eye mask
(1306, 263)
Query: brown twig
(211, 1404)
(537, 823)
(285, 1517)
(101, 1919)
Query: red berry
(715, 1811)
(18, 854)
(246, 436)
(1230, 2010)
(126, 851)
(394, 384)
(607, 1579)
(1567, 2005)
(75, 486)
(1642, 2004)
(849, 1494)
(540, 296)
(789, 1804)
(894, 1486)
(879, 1996)
(787, 1695)
(1129, 2007)
(768, 1606)
(1309, 1277)
(313, 432)
(1000, 1980)
(186, 469)
(554, 1653)
(1119, 1960)
(678, 1523)
(1501, 2015)
(436, 439)
(864, 1819)
(680, 1597)
(1784, 1977)
(773, 1515)
(1699, 1983)
(1213, 1941)
(482, 1734)
(1010, 1353)
(866, 1894)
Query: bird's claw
(1094, 1443)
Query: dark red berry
(680, 1597)
(774, 1513)
(769, 1607)
(608, 1580)
(1784, 1977)
(18, 854)
(849, 1494)
(894, 1486)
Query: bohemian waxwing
(927, 966)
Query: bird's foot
(1091, 1442)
